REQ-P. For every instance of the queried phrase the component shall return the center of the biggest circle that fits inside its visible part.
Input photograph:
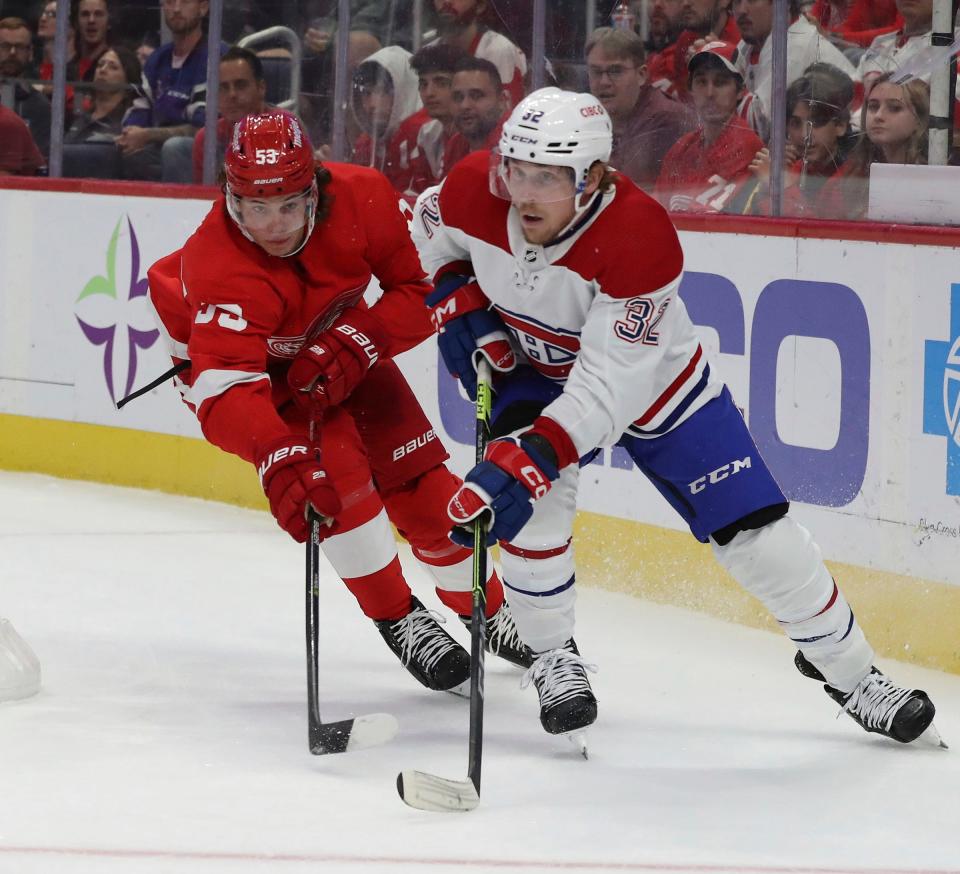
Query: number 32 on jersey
(640, 321)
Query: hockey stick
(347, 734)
(417, 788)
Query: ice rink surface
(170, 732)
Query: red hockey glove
(325, 373)
(293, 478)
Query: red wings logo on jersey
(288, 347)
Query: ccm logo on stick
(698, 485)
(413, 445)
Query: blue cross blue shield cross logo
(941, 391)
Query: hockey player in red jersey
(265, 301)
(583, 269)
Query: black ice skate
(567, 703)
(879, 705)
(426, 650)
(503, 640)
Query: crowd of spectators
(691, 105)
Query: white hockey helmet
(558, 128)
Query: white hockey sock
(541, 593)
(781, 565)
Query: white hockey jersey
(597, 311)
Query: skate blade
(461, 691)
(578, 739)
(932, 736)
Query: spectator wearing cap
(16, 64)
(19, 155)
(646, 123)
(482, 106)
(435, 66)
(158, 131)
(805, 46)
(384, 95)
(708, 170)
(702, 21)
(242, 92)
(460, 24)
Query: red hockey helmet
(269, 154)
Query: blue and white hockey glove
(514, 474)
(466, 329)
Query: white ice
(170, 731)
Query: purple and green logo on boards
(113, 327)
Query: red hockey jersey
(696, 177)
(241, 315)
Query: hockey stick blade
(349, 735)
(436, 794)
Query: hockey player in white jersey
(565, 276)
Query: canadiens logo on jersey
(550, 350)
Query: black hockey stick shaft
(478, 624)
(331, 737)
(346, 734)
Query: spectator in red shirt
(386, 105)
(708, 170)
(665, 24)
(460, 23)
(707, 20)
(435, 66)
(242, 92)
(856, 22)
(819, 139)
(482, 105)
(646, 123)
(46, 33)
(19, 155)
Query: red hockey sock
(383, 594)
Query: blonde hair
(916, 97)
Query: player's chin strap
(581, 216)
(233, 208)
